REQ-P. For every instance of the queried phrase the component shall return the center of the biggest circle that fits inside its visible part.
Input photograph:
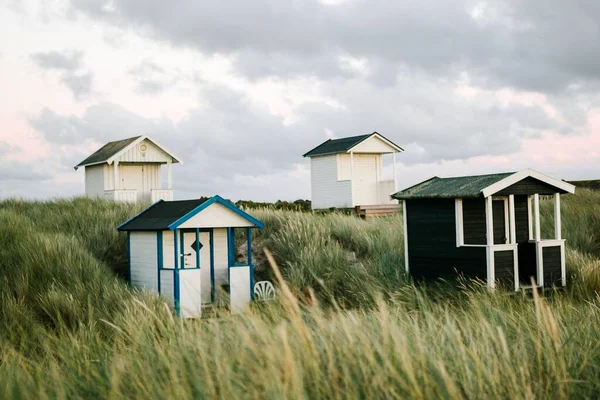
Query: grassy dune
(347, 324)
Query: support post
(489, 218)
(394, 164)
(511, 214)
(536, 216)
(116, 181)
(530, 217)
(352, 178)
(198, 248)
(169, 175)
(405, 219)
(557, 220)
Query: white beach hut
(185, 250)
(347, 172)
(129, 170)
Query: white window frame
(460, 233)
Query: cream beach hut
(129, 170)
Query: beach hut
(129, 170)
(486, 227)
(347, 172)
(185, 251)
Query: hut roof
(343, 145)
(110, 150)
(168, 215)
(475, 186)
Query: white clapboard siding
(143, 260)
(240, 288)
(166, 284)
(365, 179)
(152, 153)
(216, 216)
(205, 266)
(94, 181)
(140, 177)
(221, 267)
(168, 249)
(326, 190)
(373, 145)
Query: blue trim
(176, 273)
(229, 256)
(212, 265)
(249, 234)
(138, 214)
(129, 257)
(198, 248)
(159, 252)
(211, 201)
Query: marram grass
(347, 324)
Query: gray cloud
(150, 78)
(16, 171)
(535, 45)
(70, 63)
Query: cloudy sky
(241, 89)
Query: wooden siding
(216, 216)
(499, 214)
(153, 154)
(140, 177)
(552, 269)
(168, 249)
(528, 186)
(166, 284)
(326, 190)
(505, 269)
(94, 181)
(474, 230)
(432, 247)
(144, 266)
(521, 219)
(373, 145)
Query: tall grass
(71, 328)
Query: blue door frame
(211, 235)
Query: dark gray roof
(160, 215)
(457, 187)
(107, 151)
(334, 146)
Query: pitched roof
(342, 145)
(168, 215)
(457, 187)
(160, 215)
(107, 151)
(477, 185)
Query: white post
(405, 219)
(530, 217)
(536, 215)
(352, 177)
(169, 175)
(116, 182)
(394, 163)
(511, 213)
(557, 222)
(489, 218)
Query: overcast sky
(241, 89)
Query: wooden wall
(432, 247)
(552, 266)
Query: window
(471, 227)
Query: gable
(216, 216)
(144, 151)
(374, 144)
(528, 186)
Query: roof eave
(383, 138)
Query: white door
(189, 260)
(132, 178)
(365, 179)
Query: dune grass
(347, 323)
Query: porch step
(378, 210)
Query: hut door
(499, 209)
